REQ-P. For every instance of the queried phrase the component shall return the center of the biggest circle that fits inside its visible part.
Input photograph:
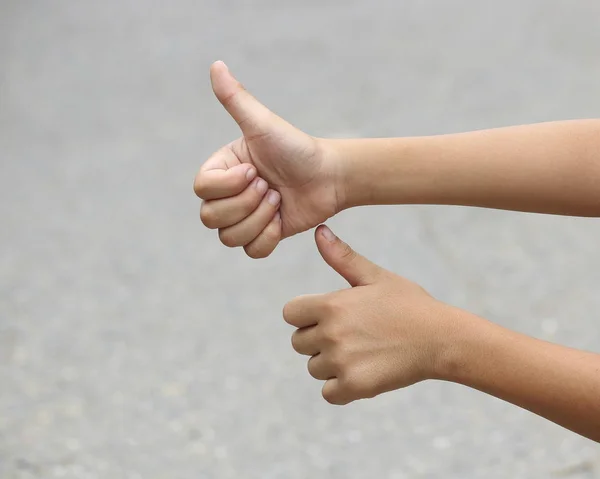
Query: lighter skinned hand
(381, 334)
(271, 183)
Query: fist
(383, 333)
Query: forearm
(546, 168)
(558, 383)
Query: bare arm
(545, 168)
(556, 382)
(386, 333)
(276, 181)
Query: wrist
(463, 338)
(384, 171)
(363, 171)
(340, 171)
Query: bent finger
(250, 227)
(225, 212)
(267, 240)
(217, 183)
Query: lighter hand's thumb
(354, 268)
(250, 114)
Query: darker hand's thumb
(354, 268)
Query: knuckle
(336, 396)
(360, 385)
(208, 216)
(357, 387)
(256, 252)
(352, 387)
(347, 253)
(338, 359)
(332, 306)
(296, 341)
(331, 396)
(288, 311)
(312, 368)
(250, 203)
(199, 186)
(234, 97)
(332, 331)
(230, 98)
(237, 182)
(227, 238)
(271, 234)
(265, 244)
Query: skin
(292, 164)
(385, 332)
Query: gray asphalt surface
(133, 345)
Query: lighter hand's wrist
(335, 170)
(347, 177)
(382, 171)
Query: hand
(384, 333)
(273, 182)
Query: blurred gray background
(133, 345)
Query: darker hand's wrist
(456, 348)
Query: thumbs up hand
(271, 183)
(383, 333)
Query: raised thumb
(251, 115)
(354, 268)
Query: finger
(211, 184)
(250, 227)
(305, 341)
(304, 311)
(319, 368)
(250, 114)
(226, 212)
(354, 268)
(267, 240)
(334, 393)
